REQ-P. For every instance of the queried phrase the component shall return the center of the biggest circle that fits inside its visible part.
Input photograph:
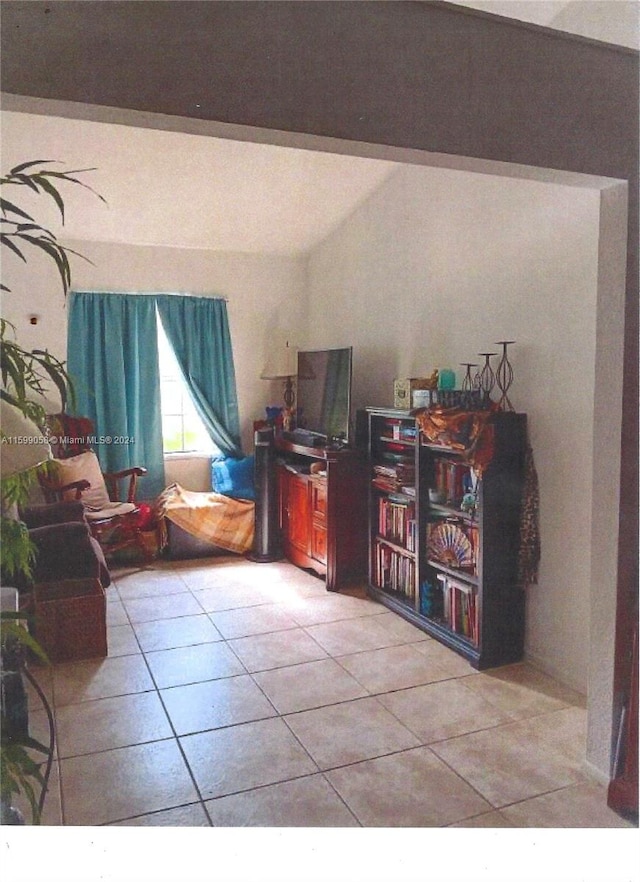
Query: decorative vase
(446, 379)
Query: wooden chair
(75, 473)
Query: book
(459, 607)
(394, 572)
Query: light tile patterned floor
(243, 694)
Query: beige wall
(433, 268)
(263, 293)
(436, 267)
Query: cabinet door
(318, 493)
(319, 542)
(298, 511)
(283, 500)
(319, 499)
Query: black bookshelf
(454, 574)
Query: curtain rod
(151, 294)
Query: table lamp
(282, 365)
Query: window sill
(184, 454)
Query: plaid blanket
(226, 522)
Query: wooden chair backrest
(69, 435)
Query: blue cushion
(233, 477)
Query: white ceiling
(195, 191)
(611, 21)
(540, 12)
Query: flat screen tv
(324, 393)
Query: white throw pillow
(84, 467)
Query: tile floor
(242, 694)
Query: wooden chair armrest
(80, 485)
(57, 491)
(112, 478)
(125, 473)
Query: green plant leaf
(6, 240)
(22, 370)
(48, 187)
(17, 553)
(41, 180)
(12, 615)
(57, 374)
(6, 396)
(30, 164)
(24, 180)
(31, 744)
(16, 770)
(7, 206)
(11, 371)
(56, 253)
(10, 624)
(25, 228)
(66, 176)
(71, 171)
(5, 324)
(10, 629)
(15, 488)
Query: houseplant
(25, 379)
(20, 773)
(25, 375)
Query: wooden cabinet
(296, 512)
(322, 503)
(318, 499)
(443, 540)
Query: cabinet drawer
(318, 542)
(319, 499)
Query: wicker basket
(70, 619)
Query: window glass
(182, 428)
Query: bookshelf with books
(444, 536)
(393, 526)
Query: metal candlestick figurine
(504, 376)
(467, 383)
(487, 376)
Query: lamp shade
(23, 446)
(281, 362)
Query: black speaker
(266, 542)
(362, 430)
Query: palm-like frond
(16, 234)
(23, 372)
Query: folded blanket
(211, 517)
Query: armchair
(65, 547)
(75, 474)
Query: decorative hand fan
(449, 545)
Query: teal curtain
(198, 330)
(112, 357)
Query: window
(182, 429)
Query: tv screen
(324, 392)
